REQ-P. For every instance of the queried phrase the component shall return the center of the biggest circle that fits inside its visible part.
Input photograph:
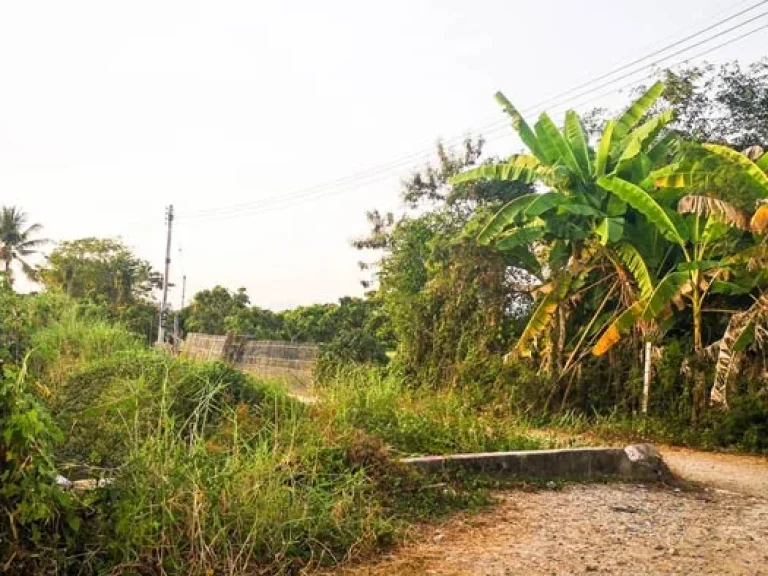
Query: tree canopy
(106, 272)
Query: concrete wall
(289, 361)
(637, 462)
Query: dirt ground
(737, 473)
(721, 527)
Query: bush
(106, 405)
(744, 426)
(37, 517)
(350, 347)
(75, 339)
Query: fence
(272, 359)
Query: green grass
(743, 428)
(422, 421)
(217, 472)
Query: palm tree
(17, 242)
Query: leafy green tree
(103, 270)
(18, 242)
(324, 322)
(314, 323)
(256, 322)
(728, 253)
(210, 310)
(710, 232)
(726, 104)
(452, 304)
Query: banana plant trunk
(699, 384)
(696, 310)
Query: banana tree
(578, 228)
(748, 172)
(713, 237)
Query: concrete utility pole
(164, 303)
(647, 378)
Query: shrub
(744, 426)
(36, 516)
(350, 347)
(238, 502)
(108, 404)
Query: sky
(256, 119)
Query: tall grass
(258, 492)
(215, 472)
(72, 338)
(422, 420)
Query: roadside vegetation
(208, 470)
(535, 290)
(543, 277)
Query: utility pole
(183, 289)
(647, 378)
(164, 303)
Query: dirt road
(607, 528)
(742, 474)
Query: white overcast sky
(111, 110)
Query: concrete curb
(635, 462)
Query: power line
(422, 155)
(289, 202)
(662, 50)
(677, 53)
(386, 168)
(637, 81)
(363, 178)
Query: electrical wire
(368, 177)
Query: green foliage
(218, 310)
(36, 515)
(78, 335)
(18, 243)
(579, 227)
(452, 305)
(195, 451)
(420, 420)
(212, 310)
(745, 425)
(99, 377)
(607, 222)
(727, 104)
(14, 327)
(355, 346)
(644, 203)
(104, 272)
